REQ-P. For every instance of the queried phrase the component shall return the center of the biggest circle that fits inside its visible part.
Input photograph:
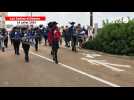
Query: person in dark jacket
(73, 33)
(10, 33)
(2, 42)
(26, 43)
(37, 38)
(45, 34)
(40, 33)
(5, 34)
(66, 36)
(16, 39)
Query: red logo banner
(25, 18)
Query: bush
(114, 38)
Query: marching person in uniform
(16, 39)
(2, 42)
(26, 43)
(32, 37)
(45, 34)
(5, 34)
(37, 38)
(54, 36)
(73, 33)
(40, 32)
(11, 40)
(66, 36)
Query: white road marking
(92, 62)
(101, 63)
(118, 65)
(96, 55)
(91, 55)
(106, 64)
(79, 71)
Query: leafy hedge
(115, 38)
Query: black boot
(27, 59)
(18, 53)
(53, 58)
(75, 49)
(36, 49)
(6, 46)
(15, 53)
(56, 61)
(51, 52)
(72, 48)
(3, 49)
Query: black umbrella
(72, 23)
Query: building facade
(2, 19)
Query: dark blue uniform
(73, 33)
(16, 39)
(37, 39)
(5, 34)
(26, 44)
(67, 37)
(2, 42)
(45, 35)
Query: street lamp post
(91, 19)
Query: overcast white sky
(79, 17)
